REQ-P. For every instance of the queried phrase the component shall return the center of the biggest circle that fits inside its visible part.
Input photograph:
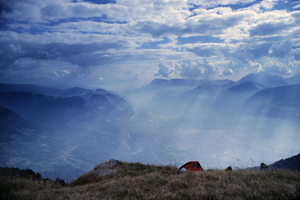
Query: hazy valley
(65, 132)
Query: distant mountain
(57, 129)
(74, 107)
(264, 79)
(7, 116)
(294, 79)
(54, 152)
(48, 91)
(191, 83)
(276, 102)
(213, 86)
(174, 83)
(228, 100)
(75, 91)
(55, 107)
(292, 163)
(35, 89)
(13, 127)
(24, 144)
(285, 92)
(247, 87)
(44, 110)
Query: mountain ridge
(68, 131)
(264, 79)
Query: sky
(93, 41)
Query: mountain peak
(264, 79)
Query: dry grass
(138, 181)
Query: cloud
(157, 29)
(213, 21)
(51, 70)
(53, 10)
(297, 54)
(269, 29)
(201, 21)
(83, 10)
(254, 66)
(228, 72)
(9, 53)
(193, 70)
(102, 1)
(281, 49)
(260, 50)
(234, 35)
(276, 68)
(164, 70)
(203, 52)
(211, 3)
(229, 69)
(189, 70)
(81, 54)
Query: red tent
(192, 166)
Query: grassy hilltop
(139, 181)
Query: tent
(192, 166)
(229, 168)
(264, 167)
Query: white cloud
(90, 35)
(229, 70)
(164, 70)
(189, 70)
(55, 69)
(276, 68)
(254, 66)
(209, 3)
(193, 70)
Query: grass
(139, 181)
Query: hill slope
(64, 134)
(276, 102)
(139, 181)
(292, 163)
